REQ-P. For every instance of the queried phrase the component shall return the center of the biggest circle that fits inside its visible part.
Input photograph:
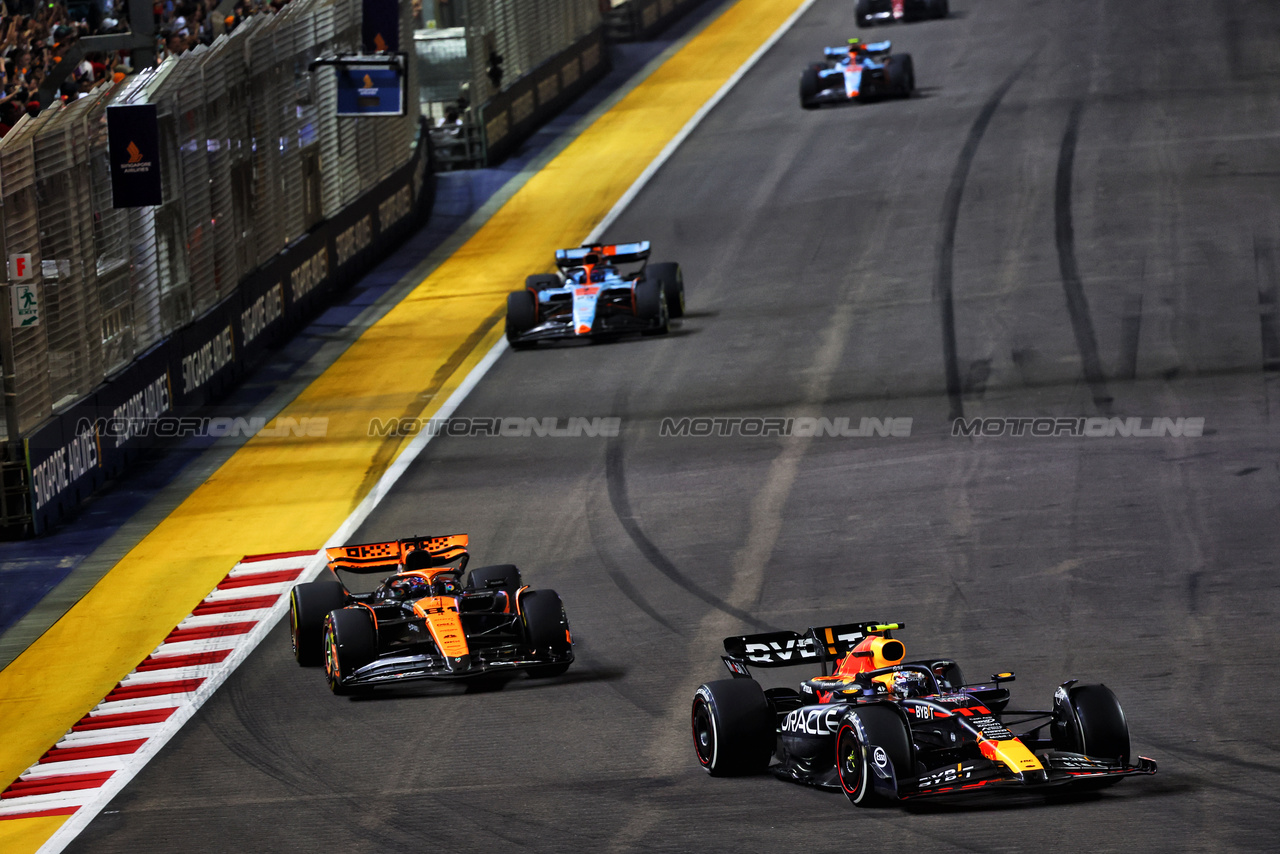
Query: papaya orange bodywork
(441, 614)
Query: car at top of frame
(599, 290)
(870, 12)
(422, 622)
(885, 729)
(859, 71)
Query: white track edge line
(71, 828)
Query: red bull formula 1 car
(869, 12)
(422, 621)
(885, 729)
(858, 72)
(591, 298)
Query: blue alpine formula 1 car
(858, 72)
(590, 297)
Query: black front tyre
(870, 735)
(734, 728)
(810, 86)
(902, 75)
(309, 604)
(670, 276)
(1090, 721)
(350, 642)
(546, 629)
(522, 315)
(651, 306)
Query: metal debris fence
(253, 156)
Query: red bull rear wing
(817, 645)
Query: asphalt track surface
(1076, 217)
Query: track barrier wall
(636, 20)
(270, 205)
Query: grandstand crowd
(35, 35)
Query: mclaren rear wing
(613, 253)
(817, 645)
(386, 557)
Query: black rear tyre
(522, 315)
(309, 604)
(862, 13)
(871, 734)
(546, 628)
(482, 578)
(810, 86)
(670, 276)
(734, 728)
(351, 642)
(902, 75)
(542, 281)
(1091, 722)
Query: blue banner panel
(370, 91)
(380, 28)
(133, 146)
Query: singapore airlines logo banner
(133, 147)
(367, 90)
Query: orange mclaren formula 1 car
(885, 729)
(422, 621)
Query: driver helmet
(910, 683)
(855, 45)
(409, 587)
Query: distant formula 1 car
(422, 622)
(590, 298)
(869, 12)
(884, 729)
(859, 72)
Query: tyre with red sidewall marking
(734, 727)
(350, 642)
(867, 735)
(309, 604)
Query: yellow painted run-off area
(278, 494)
